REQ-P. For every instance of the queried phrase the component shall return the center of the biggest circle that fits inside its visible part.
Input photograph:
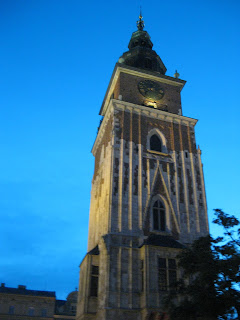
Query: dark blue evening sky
(56, 60)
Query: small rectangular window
(44, 312)
(162, 274)
(162, 279)
(172, 272)
(172, 278)
(31, 311)
(162, 263)
(142, 275)
(73, 309)
(11, 310)
(95, 270)
(94, 281)
(167, 273)
(172, 264)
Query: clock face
(151, 90)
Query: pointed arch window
(155, 143)
(159, 216)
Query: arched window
(155, 143)
(159, 219)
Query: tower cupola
(140, 54)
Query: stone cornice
(25, 296)
(158, 156)
(151, 75)
(154, 113)
(101, 129)
(139, 73)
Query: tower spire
(140, 22)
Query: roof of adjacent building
(64, 307)
(23, 291)
(94, 251)
(162, 241)
(59, 306)
(60, 303)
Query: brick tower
(148, 196)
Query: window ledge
(158, 153)
(162, 233)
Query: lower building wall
(128, 285)
(86, 316)
(22, 304)
(121, 314)
(117, 314)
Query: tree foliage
(209, 287)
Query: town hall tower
(148, 197)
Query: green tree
(209, 288)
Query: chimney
(20, 286)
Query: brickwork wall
(127, 176)
(139, 175)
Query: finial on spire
(140, 22)
(176, 75)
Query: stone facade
(21, 303)
(146, 203)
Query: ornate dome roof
(72, 296)
(140, 54)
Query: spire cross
(140, 22)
